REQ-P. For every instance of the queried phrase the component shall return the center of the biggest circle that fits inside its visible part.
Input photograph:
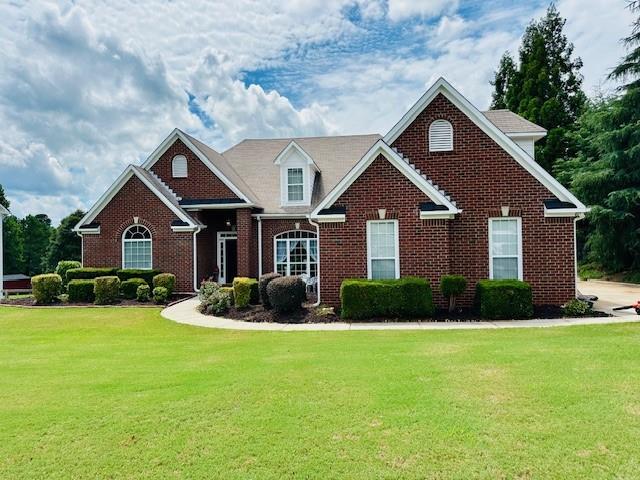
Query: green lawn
(123, 393)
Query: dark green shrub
(64, 266)
(106, 290)
(129, 288)
(46, 288)
(166, 280)
(89, 273)
(576, 308)
(264, 281)
(408, 297)
(81, 290)
(507, 299)
(245, 291)
(452, 286)
(286, 294)
(143, 293)
(160, 295)
(129, 273)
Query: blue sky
(89, 87)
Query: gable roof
(512, 123)
(441, 86)
(294, 146)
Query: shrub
(576, 308)
(143, 292)
(286, 294)
(245, 291)
(64, 266)
(81, 290)
(452, 287)
(217, 302)
(264, 281)
(206, 289)
(160, 295)
(106, 290)
(129, 288)
(125, 274)
(46, 287)
(166, 280)
(504, 299)
(89, 273)
(229, 291)
(405, 298)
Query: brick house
(449, 189)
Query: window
(296, 252)
(136, 248)
(295, 184)
(440, 136)
(382, 249)
(505, 248)
(179, 166)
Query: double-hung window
(383, 258)
(295, 184)
(505, 248)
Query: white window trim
(303, 170)
(288, 263)
(446, 148)
(173, 167)
(123, 241)
(397, 247)
(519, 253)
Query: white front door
(226, 255)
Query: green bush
(125, 274)
(262, 287)
(206, 289)
(245, 291)
(590, 270)
(143, 293)
(166, 280)
(504, 299)
(64, 266)
(408, 297)
(160, 295)
(89, 273)
(229, 291)
(576, 308)
(81, 290)
(286, 294)
(129, 288)
(46, 287)
(451, 287)
(106, 290)
(218, 301)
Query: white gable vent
(440, 136)
(179, 166)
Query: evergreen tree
(4, 201)
(629, 68)
(13, 246)
(65, 244)
(502, 80)
(37, 232)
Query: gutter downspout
(575, 249)
(195, 259)
(318, 235)
(1, 259)
(259, 218)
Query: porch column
(243, 226)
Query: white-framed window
(137, 248)
(295, 184)
(440, 136)
(296, 253)
(383, 255)
(179, 166)
(505, 248)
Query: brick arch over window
(137, 247)
(296, 253)
(141, 221)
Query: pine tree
(65, 244)
(629, 68)
(502, 80)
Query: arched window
(179, 166)
(440, 136)
(296, 253)
(136, 248)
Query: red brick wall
(172, 252)
(200, 182)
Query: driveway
(611, 294)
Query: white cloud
(402, 9)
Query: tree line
(592, 144)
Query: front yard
(123, 393)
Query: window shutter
(440, 136)
(179, 166)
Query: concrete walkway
(610, 295)
(185, 312)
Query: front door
(227, 256)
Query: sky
(88, 87)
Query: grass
(594, 271)
(115, 393)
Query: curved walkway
(185, 312)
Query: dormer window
(440, 136)
(179, 166)
(297, 173)
(295, 184)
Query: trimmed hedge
(46, 287)
(160, 295)
(166, 280)
(125, 274)
(81, 290)
(89, 273)
(245, 291)
(143, 293)
(262, 287)
(129, 288)
(64, 266)
(106, 290)
(286, 294)
(504, 299)
(451, 287)
(403, 298)
(229, 292)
